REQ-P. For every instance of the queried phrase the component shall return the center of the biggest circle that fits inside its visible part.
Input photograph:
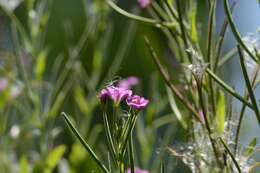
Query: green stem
(139, 18)
(85, 144)
(231, 155)
(207, 123)
(241, 116)
(228, 88)
(166, 79)
(209, 58)
(109, 137)
(235, 31)
(221, 39)
(131, 154)
(248, 84)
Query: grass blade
(84, 143)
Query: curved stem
(139, 18)
(248, 84)
(235, 31)
(241, 116)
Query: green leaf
(220, 113)
(23, 164)
(54, 157)
(40, 65)
(250, 148)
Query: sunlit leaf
(220, 113)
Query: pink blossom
(136, 102)
(137, 170)
(117, 94)
(144, 3)
(128, 82)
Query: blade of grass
(84, 143)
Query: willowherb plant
(118, 127)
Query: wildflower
(136, 102)
(144, 3)
(137, 170)
(117, 94)
(128, 82)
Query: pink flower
(137, 170)
(136, 102)
(117, 94)
(128, 82)
(144, 3)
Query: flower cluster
(121, 93)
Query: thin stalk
(109, 137)
(241, 116)
(231, 155)
(183, 34)
(209, 58)
(128, 133)
(221, 39)
(131, 154)
(84, 143)
(166, 79)
(248, 84)
(235, 31)
(228, 88)
(207, 123)
(139, 18)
